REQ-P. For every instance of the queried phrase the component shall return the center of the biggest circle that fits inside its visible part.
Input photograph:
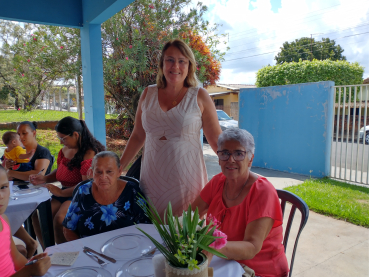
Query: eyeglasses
(63, 138)
(237, 155)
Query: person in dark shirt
(41, 160)
(105, 203)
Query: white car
(366, 132)
(225, 121)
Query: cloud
(257, 30)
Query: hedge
(341, 72)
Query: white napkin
(11, 187)
(158, 262)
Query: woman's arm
(201, 205)
(69, 234)
(137, 138)
(210, 122)
(39, 165)
(255, 234)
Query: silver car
(225, 121)
(366, 132)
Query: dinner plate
(26, 192)
(86, 271)
(137, 268)
(127, 246)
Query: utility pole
(311, 47)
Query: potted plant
(184, 238)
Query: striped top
(173, 169)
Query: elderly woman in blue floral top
(105, 203)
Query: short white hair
(240, 135)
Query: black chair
(135, 170)
(125, 178)
(297, 203)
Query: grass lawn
(336, 199)
(38, 115)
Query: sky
(257, 29)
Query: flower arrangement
(184, 237)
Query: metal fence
(350, 149)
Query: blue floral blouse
(87, 217)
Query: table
(222, 268)
(20, 210)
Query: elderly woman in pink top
(246, 206)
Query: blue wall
(291, 125)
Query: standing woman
(74, 160)
(168, 121)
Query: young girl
(12, 263)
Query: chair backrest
(125, 178)
(297, 203)
(135, 170)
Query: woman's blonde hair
(191, 78)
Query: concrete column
(68, 105)
(93, 82)
(54, 99)
(60, 99)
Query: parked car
(366, 132)
(225, 121)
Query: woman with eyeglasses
(246, 207)
(169, 117)
(74, 160)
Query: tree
(134, 37)
(309, 49)
(33, 57)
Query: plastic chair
(125, 178)
(135, 170)
(297, 203)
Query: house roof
(235, 86)
(222, 93)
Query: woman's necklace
(175, 100)
(238, 193)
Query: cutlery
(94, 257)
(149, 253)
(100, 254)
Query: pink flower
(24, 44)
(127, 58)
(213, 219)
(15, 69)
(61, 47)
(197, 68)
(28, 60)
(117, 38)
(151, 6)
(221, 242)
(19, 109)
(22, 74)
(35, 39)
(130, 46)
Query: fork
(94, 257)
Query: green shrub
(341, 72)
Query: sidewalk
(327, 247)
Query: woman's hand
(208, 255)
(8, 164)
(54, 190)
(37, 179)
(40, 267)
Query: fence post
(68, 105)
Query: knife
(100, 254)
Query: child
(15, 152)
(12, 263)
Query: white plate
(137, 268)
(127, 246)
(86, 271)
(32, 191)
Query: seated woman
(74, 160)
(41, 160)
(246, 206)
(105, 203)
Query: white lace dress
(172, 169)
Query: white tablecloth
(19, 210)
(222, 268)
